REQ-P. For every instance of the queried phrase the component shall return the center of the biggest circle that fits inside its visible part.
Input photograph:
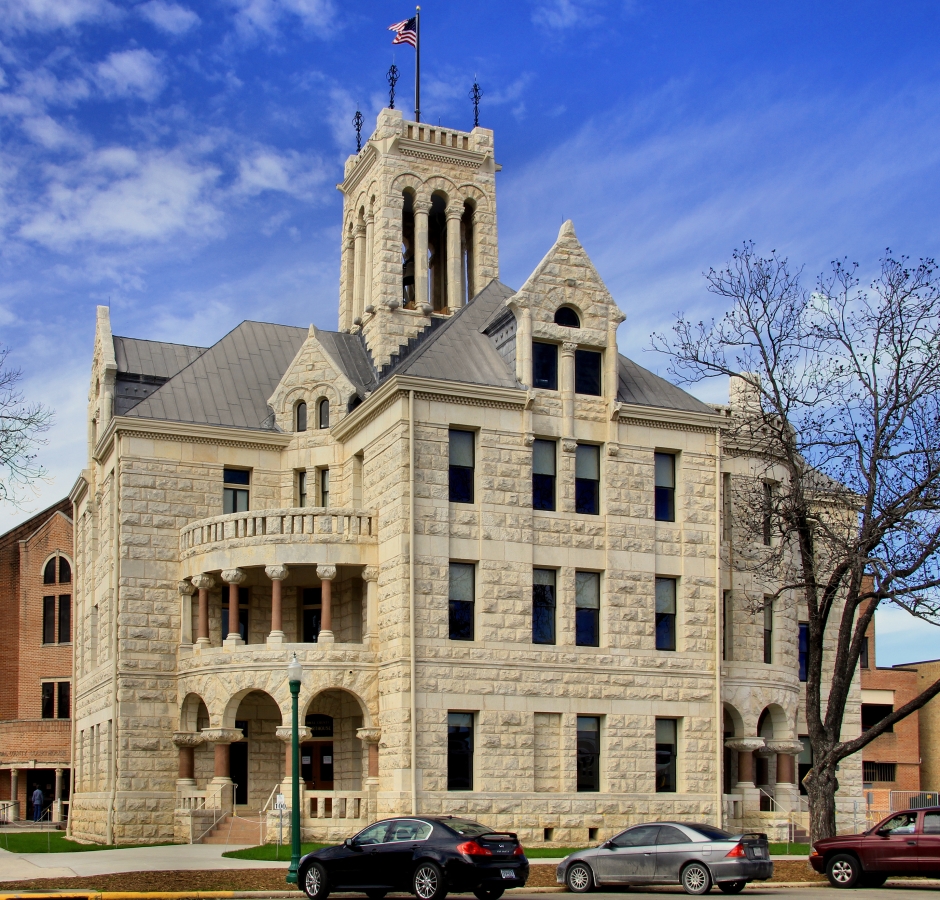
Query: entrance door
(316, 765)
(238, 770)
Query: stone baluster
(454, 300)
(186, 589)
(186, 742)
(57, 796)
(421, 210)
(203, 583)
(15, 794)
(326, 574)
(283, 733)
(370, 737)
(370, 575)
(277, 574)
(233, 578)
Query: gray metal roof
(640, 386)
(154, 358)
(229, 384)
(351, 357)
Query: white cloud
(169, 17)
(131, 72)
(268, 170)
(561, 15)
(45, 131)
(253, 16)
(48, 15)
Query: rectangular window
(587, 372)
(768, 630)
(324, 487)
(543, 606)
(461, 466)
(878, 771)
(727, 632)
(587, 480)
(665, 613)
(460, 605)
(543, 475)
(545, 366)
(873, 713)
(459, 751)
(302, 488)
(243, 604)
(863, 655)
(803, 649)
(64, 700)
(665, 464)
(312, 599)
(726, 507)
(48, 620)
(235, 490)
(768, 521)
(666, 756)
(587, 609)
(65, 619)
(589, 753)
(48, 699)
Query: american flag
(406, 32)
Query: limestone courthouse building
(495, 545)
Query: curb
(186, 895)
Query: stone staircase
(241, 828)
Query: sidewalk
(178, 857)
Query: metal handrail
(218, 812)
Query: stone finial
(567, 230)
(326, 573)
(186, 588)
(203, 582)
(188, 738)
(370, 573)
(234, 576)
(276, 573)
(285, 733)
(369, 735)
(222, 735)
(745, 744)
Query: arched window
(408, 250)
(301, 416)
(323, 412)
(48, 574)
(65, 571)
(567, 317)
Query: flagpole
(418, 65)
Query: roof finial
(357, 124)
(392, 78)
(475, 95)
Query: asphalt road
(823, 892)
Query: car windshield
(710, 832)
(468, 827)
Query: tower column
(349, 287)
(233, 578)
(186, 591)
(370, 575)
(567, 386)
(421, 210)
(368, 275)
(277, 574)
(326, 574)
(360, 262)
(454, 279)
(204, 583)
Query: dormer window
(301, 416)
(587, 372)
(545, 365)
(567, 318)
(323, 413)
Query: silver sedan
(695, 856)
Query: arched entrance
(331, 758)
(256, 760)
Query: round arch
(773, 723)
(735, 719)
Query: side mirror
(608, 845)
(882, 832)
(350, 844)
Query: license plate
(758, 851)
(508, 873)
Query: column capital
(285, 733)
(421, 205)
(369, 735)
(793, 747)
(326, 573)
(616, 316)
(276, 573)
(454, 212)
(58, 771)
(745, 744)
(221, 735)
(370, 573)
(203, 582)
(188, 738)
(234, 576)
(569, 445)
(568, 348)
(186, 588)
(360, 230)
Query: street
(822, 892)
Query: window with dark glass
(873, 772)
(543, 606)
(65, 571)
(323, 413)
(727, 632)
(665, 464)
(567, 317)
(873, 713)
(235, 490)
(543, 475)
(64, 700)
(460, 602)
(587, 372)
(301, 416)
(312, 599)
(48, 699)
(301, 488)
(666, 756)
(665, 613)
(459, 751)
(65, 618)
(545, 365)
(863, 655)
(244, 596)
(48, 620)
(324, 487)
(589, 753)
(461, 466)
(48, 574)
(768, 630)
(803, 649)
(587, 609)
(768, 511)
(587, 480)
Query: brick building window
(48, 573)
(461, 466)
(543, 606)
(48, 620)
(587, 609)
(459, 751)
(873, 713)
(543, 475)
(878, 771)
(460, 602)
(589, 753)
(803, 649)
(665, 486)
(587, 479)
(587, 372)
(64, 699)
(666, 755)
(235, 490)
(665, 613)
(65, 618)
(48, 699)
(65, 571)
(545, 366)
(863, 655)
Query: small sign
(327, 760)
(319, 725)
(280, 802)
(305, 760)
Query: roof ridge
(125, 337)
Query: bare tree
(843, 426)
(21, 423)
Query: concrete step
(237, 830)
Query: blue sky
(178, 159)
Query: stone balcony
(299, 536)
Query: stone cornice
(80, 488)
(660, 417)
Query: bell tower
(419, 229)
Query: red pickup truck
(906, 843)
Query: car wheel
(488, 893)
(579, 878)
(376, 894)
(731, 887)
(874, 881)
(843, 871)
(429, 882)
(314, 883)
(696, 879)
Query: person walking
(37, 800)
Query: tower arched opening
(408, 249)
(467, 252)
(437, 253)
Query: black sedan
(423, 855)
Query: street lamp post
(294, 671)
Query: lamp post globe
(294, 674)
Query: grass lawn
(56, 842)
(791, 849)
(272, 851)
(549, 852)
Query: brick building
(928, 724)
(36, 662)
